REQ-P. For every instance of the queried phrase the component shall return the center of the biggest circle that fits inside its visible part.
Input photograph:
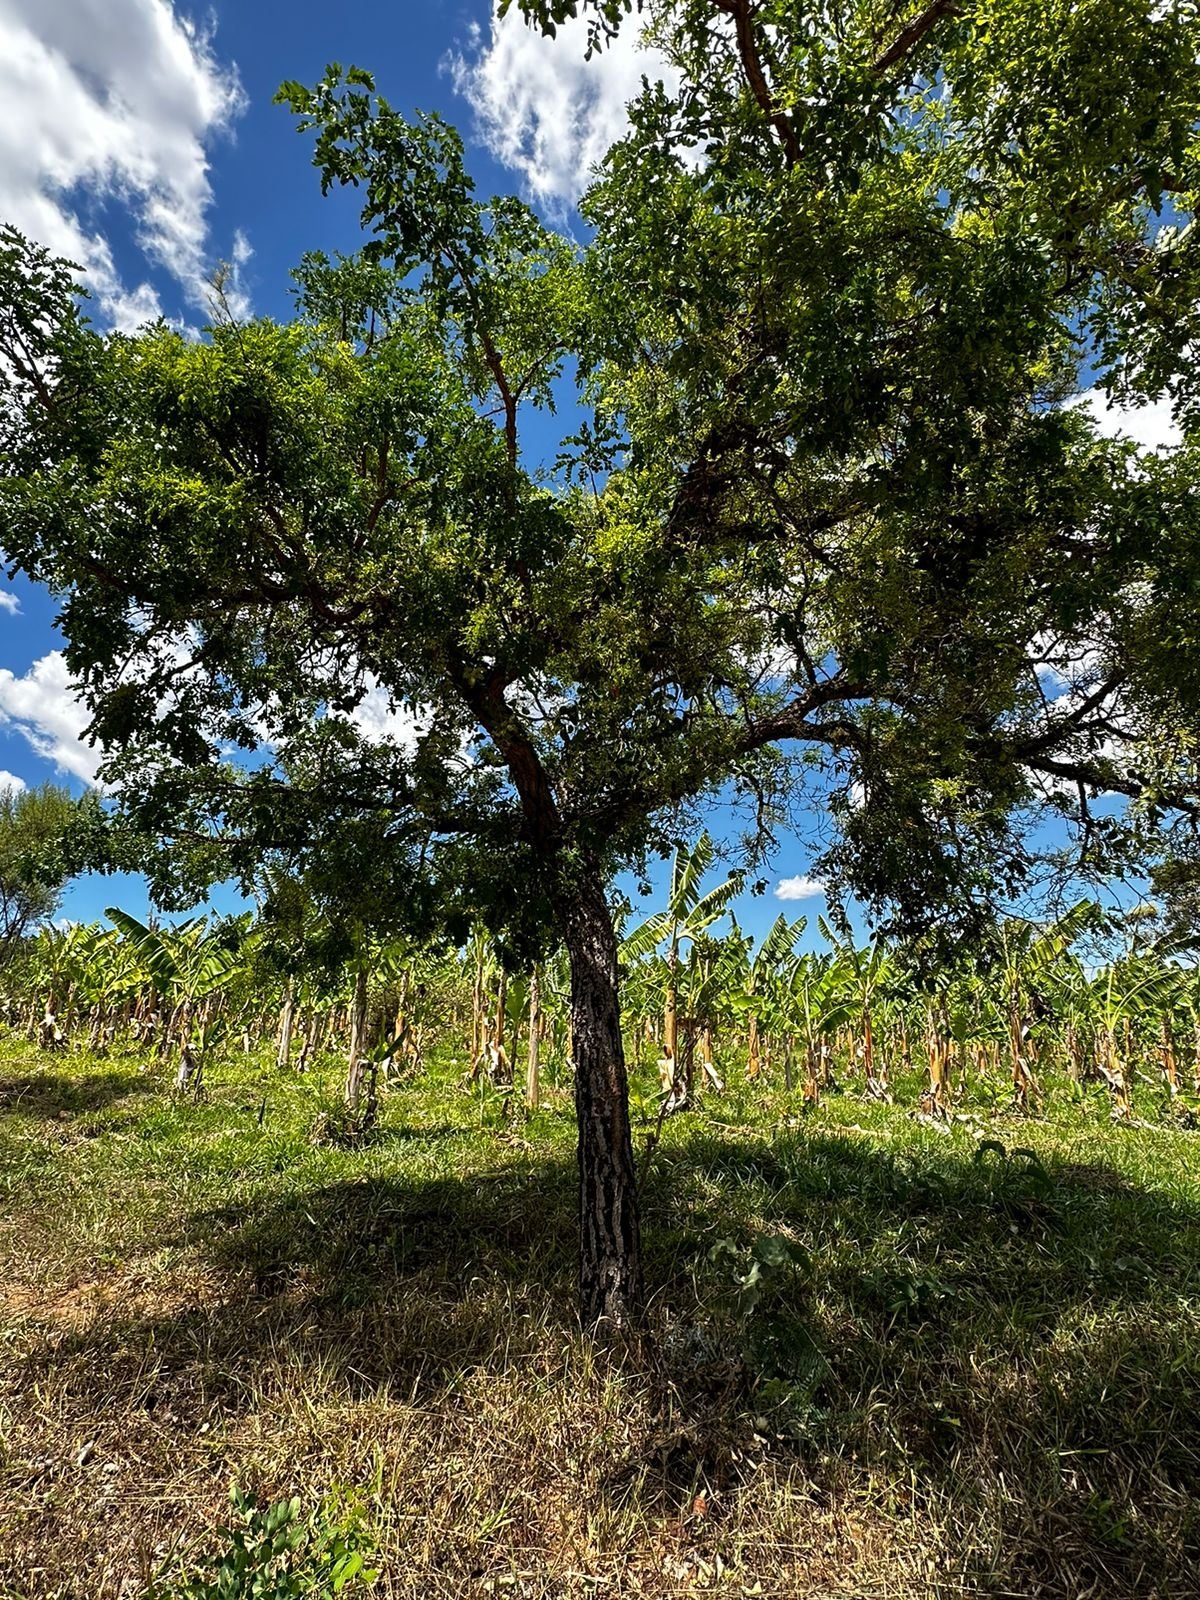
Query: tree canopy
(826, 510)
(44, 835)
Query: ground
(886, 1359)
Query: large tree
(823, 496)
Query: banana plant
(487, 975)
(54, 955)
(106, 977)
(188, 967)
(774, 956)
(709, 984)
(1128, 993)
(863, 973)
(1031, 955)
(822, 1003)
(689, 914)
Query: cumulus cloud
(112, 101)
(10, 781)
(799, 888)
(545, 112)
(45, 707)
(9, 602)
(380, 720)
(1152, 426)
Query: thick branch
(1072, 722)
(743, 20)
(501, 723)
(908, 38)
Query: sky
(139, 139)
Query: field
(886, 1358)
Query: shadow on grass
(45, 1095)
(1011, 1349)
(381, 1240)
(1018, 1343)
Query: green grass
(887, 1359)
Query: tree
(825, 498)
(39, 829)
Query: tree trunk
(477, 1020)
(1169, 1065)
(610, 1261)
(667, 1066)
(754, 1061)
(940, 1048)
(1021, 1049)
(812, 1071)
(501, 1065)
(708, 1060)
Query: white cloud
(543, 110)
(112, 101)
(10, 781)
(799, 888)
(1061, 662)
(45, 707)
(9, 602)
(1151, 426)
(378, 719)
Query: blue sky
(139, 138)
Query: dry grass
(964, 1374)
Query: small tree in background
(40, 838)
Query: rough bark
(610, 1260)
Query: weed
(276, 1553)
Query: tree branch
(1072, 722)
(742, 13)
(909, 37)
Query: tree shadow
(1016, 1340)
(1015, 1344)
(381, 1239)
(46, 1095)
(376, 1282)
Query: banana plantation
(1035, 1014)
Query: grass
(888, 1360)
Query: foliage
(41, 836)
(829, 514)
(276, 1553)
(839, 503)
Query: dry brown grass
(535, 1470)
(183, 1307)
